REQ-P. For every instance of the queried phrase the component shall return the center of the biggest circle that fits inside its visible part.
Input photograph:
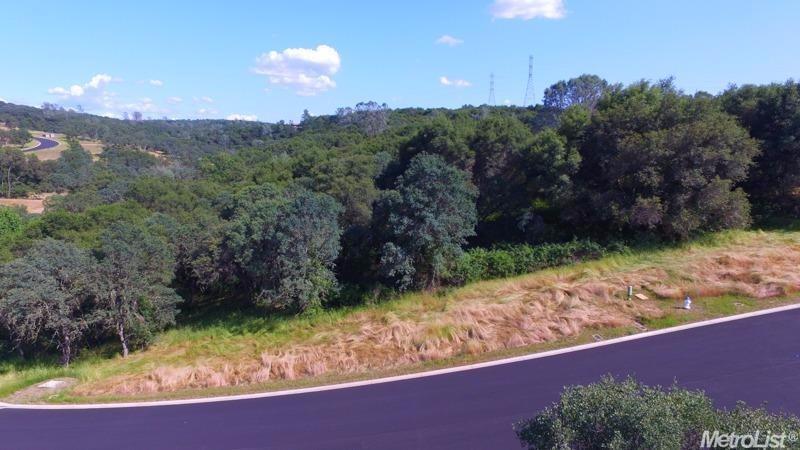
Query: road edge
(410, 376)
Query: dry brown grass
(33, 205)
(480, 318)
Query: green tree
(73, 168)
(45, 297)
(523, 178)
(425, 222)
(15, 137)
(498, 142)
(771, 113)
(285, 243)
(18, 172)
(370, 117)
(132, 284)
(658, 161)
(128, 163)
(585, 90)
(349, 179)
(448, 138)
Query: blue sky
(212, 59)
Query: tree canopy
(426, 220)
(45, 296)
(285, 243)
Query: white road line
(411, 376)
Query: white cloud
(204, 99)
(528, 9)
(95, 86)
(174, 100)
(206, 111)
(454, 82)
(247, 117)
(3, 100)
(306, 70)
(94, 96)
(449, 40)
(73, 91)
(99, 80)
(156, 83)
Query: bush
(485, 264)
(630, 415)
(10, 221)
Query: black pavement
(44, 144)
(756, 359)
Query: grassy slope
(728, 273)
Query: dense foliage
(286, 218)
(772, 116)
(630, 415)
(424, 222)
(45, 296)
(656, 160)
(285, 242)
(505, 261)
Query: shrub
(10, 221)
(485, 264)
(630, 415)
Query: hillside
(183, 139)
(725, 274)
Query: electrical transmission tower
(491, 90)
(528, 101)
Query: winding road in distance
(44, 144)
(754, 359)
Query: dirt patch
(41, 391)
(33, 205)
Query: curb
(411, 376)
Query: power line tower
(528, 101)
(491, 90)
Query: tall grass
(242, 347)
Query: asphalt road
(755, 359)
(44, 144)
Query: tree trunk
(123, 339)
(66, 352)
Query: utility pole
(528, 100)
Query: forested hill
(370, 200)
(183, 139)
(188, 140)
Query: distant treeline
(372, 201)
